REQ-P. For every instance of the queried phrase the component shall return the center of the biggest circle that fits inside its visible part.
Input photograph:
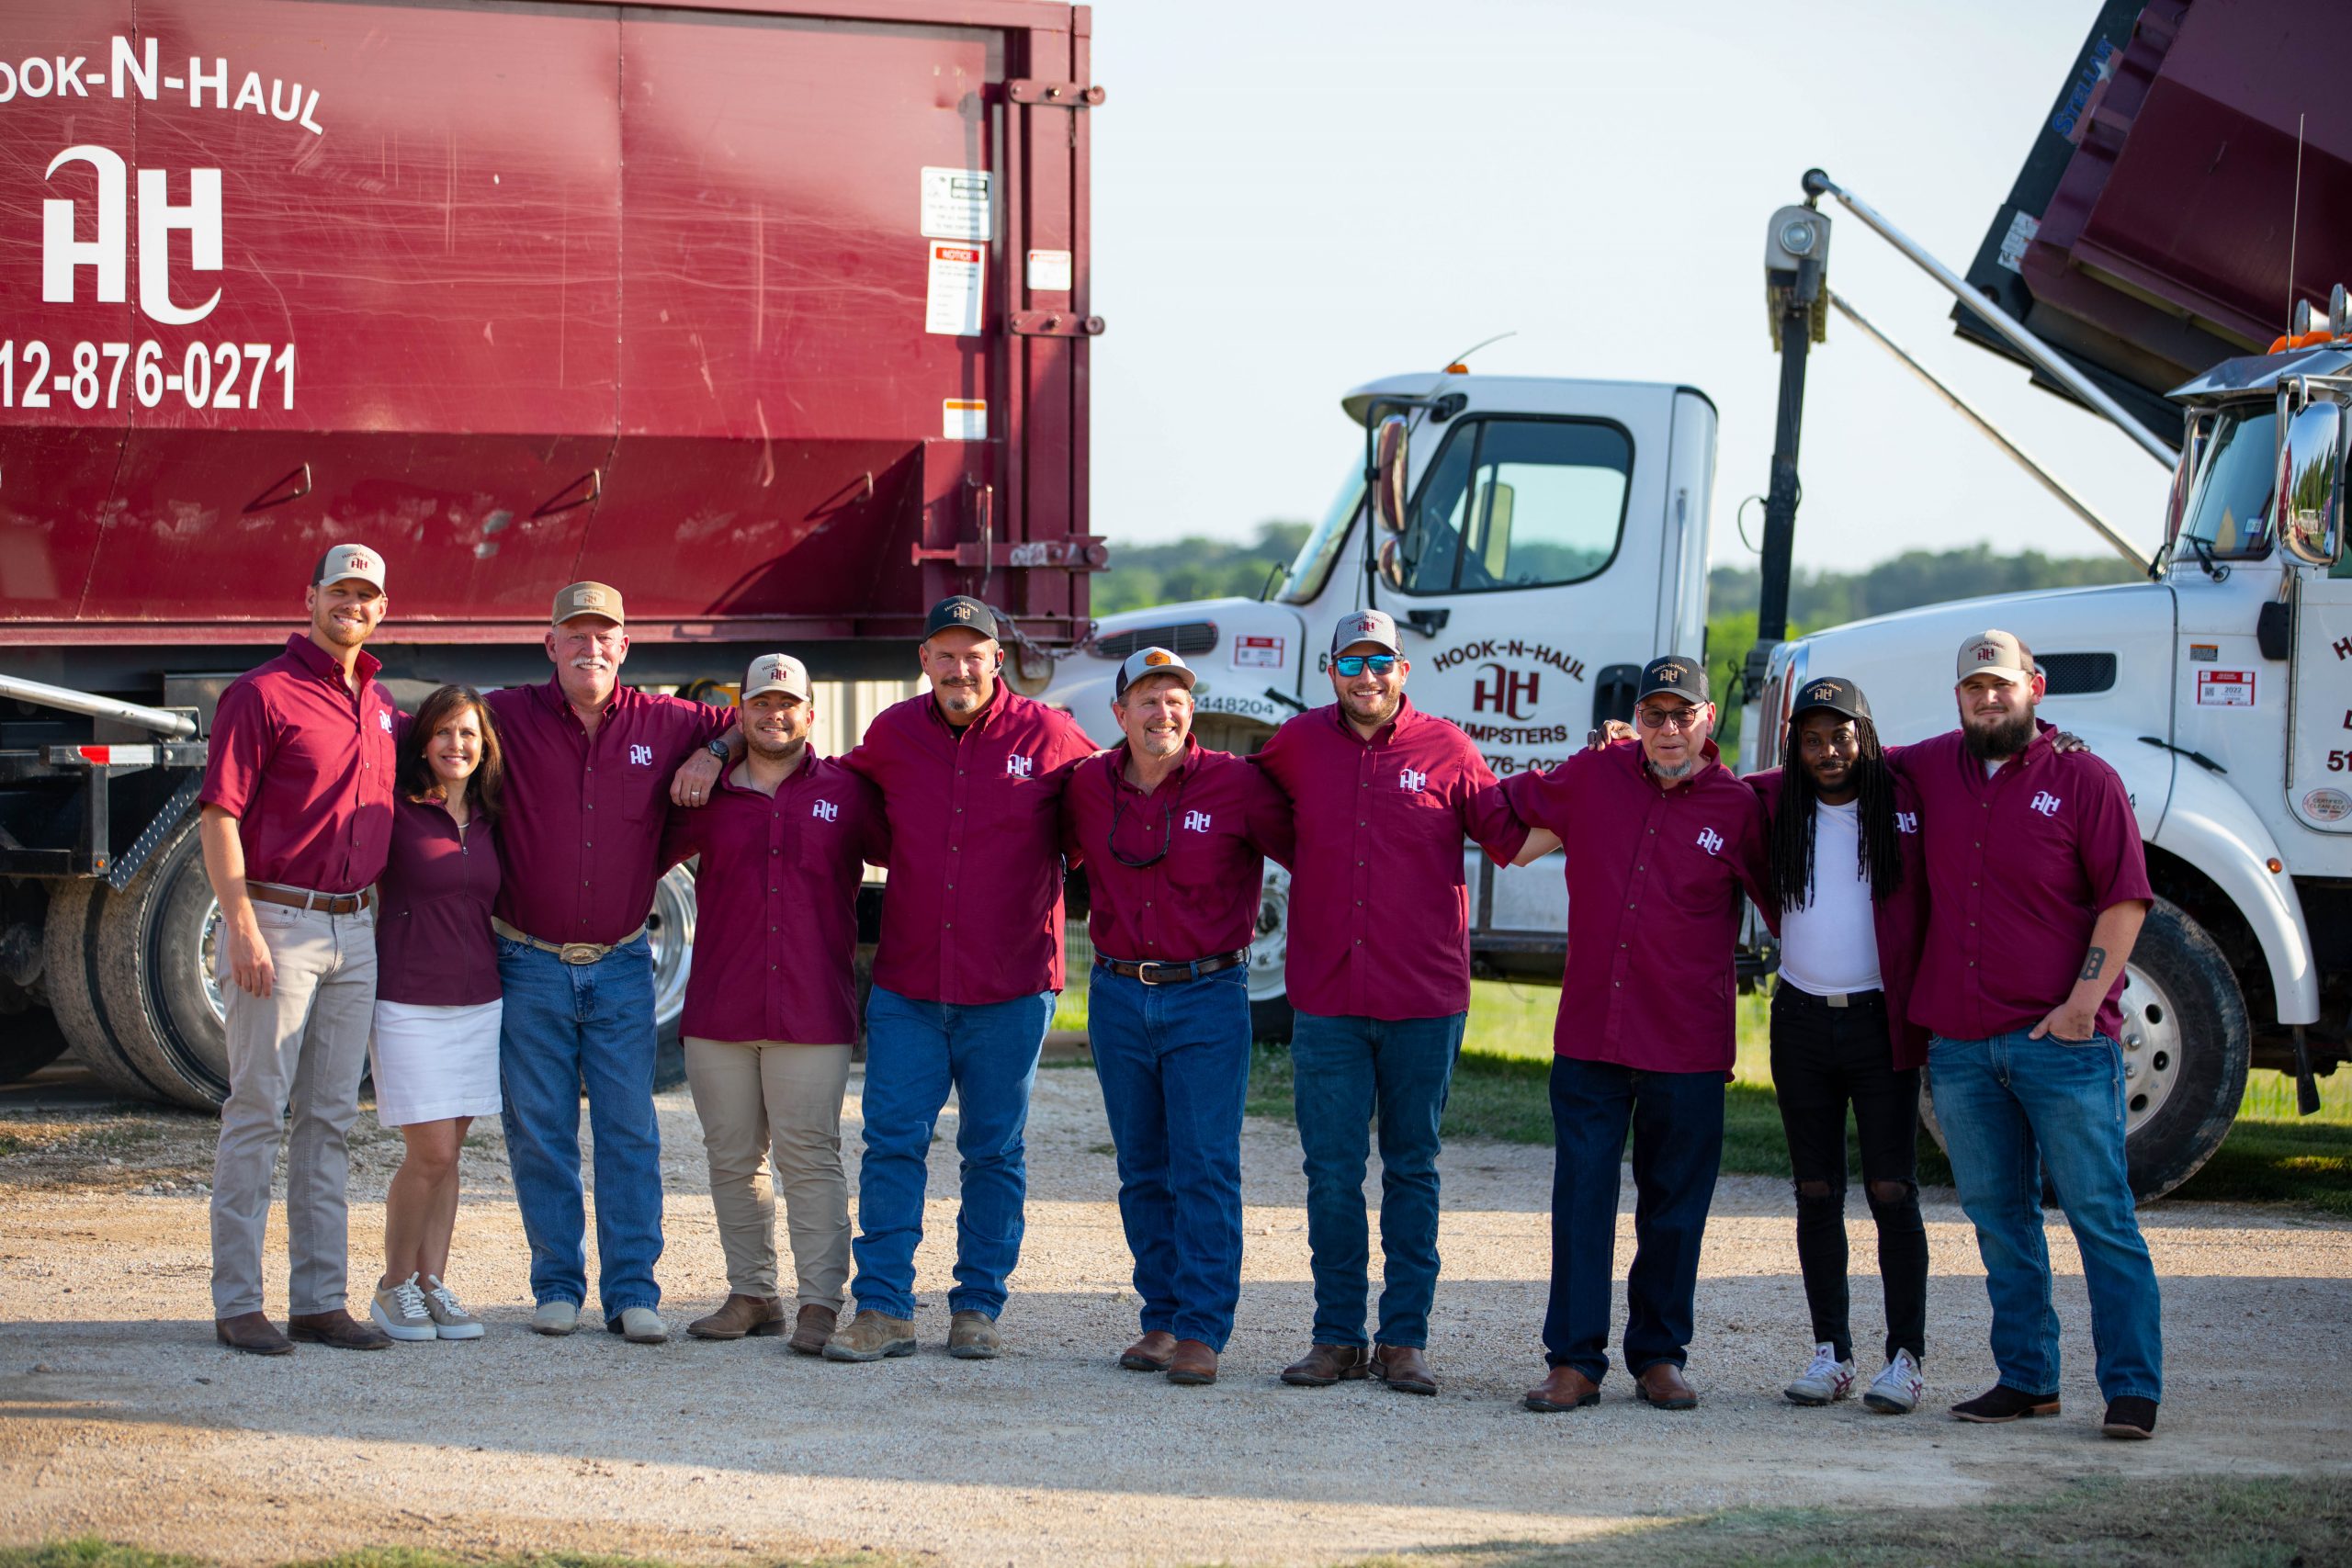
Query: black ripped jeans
(1823, 1059)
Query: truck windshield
(2229, 501)
(1322, 548)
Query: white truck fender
(2209, 825)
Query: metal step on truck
(777, 317)
(1540, 539)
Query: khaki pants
(301, 1049)
(758, 1096)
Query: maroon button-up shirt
(305, 765)
(775, 905)
(1654, 877)
(1219, 819)
(1379, 909)
(582, 839)
(973, 913)
(432, 937)
(1899, 920)
(2020, 867)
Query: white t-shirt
(1830, 944)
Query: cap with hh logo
(776, 672)
(1367, 625)
(1676, 673)
(1996, 653)
(588, 599)
(1146, 661)
(960, 610)
(351, 560)
(1836, 693)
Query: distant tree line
(1194, 567)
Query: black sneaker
(2002, 1402)
(2130, 1416)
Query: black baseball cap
(1683, 676)
(1835, 692)
(960, 610)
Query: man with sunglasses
(1661, 840)
(1175, 839)
(1379, 972)
(964, 978)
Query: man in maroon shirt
(2039, 887)
(1661, 840)
(1175, 839)
(588, 763)
(771, 1003)
(1379, 975)
(964, 978)
(297, 819)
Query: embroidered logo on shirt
(1196, 821)
(1018, 767)
(824, 810)
(1411, 779)
(386, 720)
(1710, 840)
(641, 755)
(1906, 821)
(2045, 803)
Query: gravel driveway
(120, 1417)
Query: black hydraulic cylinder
(1780, 499)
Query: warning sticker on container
(2023, 227)
(1049, 269)
(956, 205)
(963, 418)
(953, 304)
(1258, 653)
(2225, 688)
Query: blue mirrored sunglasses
(1351, 665)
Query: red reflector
(96, 753)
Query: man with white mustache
(297, 822)
(1175, 837)
(592, 766)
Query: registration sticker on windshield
(1257, 652)
(2225, 688)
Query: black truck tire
(150, 971)
(68, 938)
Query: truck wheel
(68, 941)
(153, 969)
(2186, 1046)
(33, 1039)
(671, 931)
(1269, 1010)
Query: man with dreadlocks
(1850, 902)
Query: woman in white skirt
(435, 1050)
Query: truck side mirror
(1392, 564)
(2310, 503)
(1388, 473)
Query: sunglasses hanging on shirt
(1167, 824)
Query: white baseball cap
(1146, 661)
(1996, 653)
(776, 672)
(351, 560)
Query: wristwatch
(718, 749)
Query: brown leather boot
(253, 1333)
(1563, 1388)
(812, 1328)
(1324, 1365)
(337, 1328)
(1403, 1368)
(740, 1314)
(1661, 1387)
(1192, 1363)
(1151, 1353)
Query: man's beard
(1681, 769)
(2000, 742)
(773, 750)
(1378, 708)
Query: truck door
(2319, 685)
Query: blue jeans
(1677, 1120)
(915, 1052)
(2012, 1108)
(1174, 1064)
(565, 1025)
(1342, 1070)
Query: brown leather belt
(304, 899)
(569, 952)
(1152, 972)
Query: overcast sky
(1292, 198)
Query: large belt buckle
(1143, 972)
(578, 952)
(1840, 999)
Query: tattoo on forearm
(2095, 962)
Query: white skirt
(432, 1063)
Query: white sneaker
(1897, 1390)
(1824, 1380)
(556, 1317)
(399, 1311)
(450, 1320)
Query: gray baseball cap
(1367, 625)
